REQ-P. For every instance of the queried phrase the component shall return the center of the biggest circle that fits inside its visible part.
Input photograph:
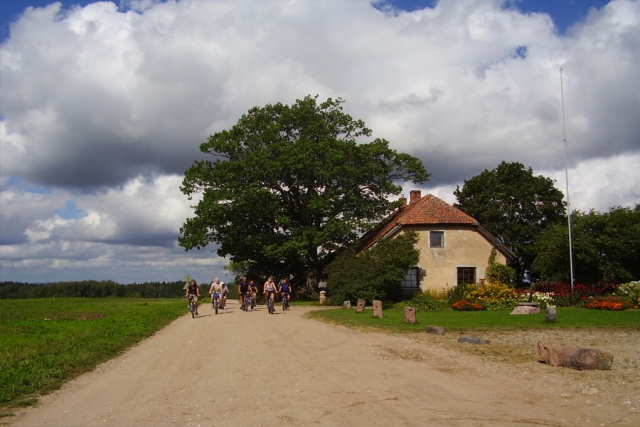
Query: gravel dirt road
(256, 369)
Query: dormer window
(436, 239)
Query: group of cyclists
(246, 290)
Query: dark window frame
(438, 241)
(464, 274)
(411, 279)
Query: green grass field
(463, 320)
(44, 342)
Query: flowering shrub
(542, 298)
(560, 293)
(631, 291)
(464, 305)
(493, 296)
(609, 303)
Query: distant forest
(92, 289)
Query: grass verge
(44, 342)
(468, 320)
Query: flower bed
(608, 303)
(464, 305)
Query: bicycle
(245, 303)
(216, 303)
(285, 302)
(252, 300)
(192, 306)
(270, 304)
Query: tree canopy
(606, 247)
(515, 206)
(290, 185)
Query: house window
(412, 279)
(466, 275)
(436, 239)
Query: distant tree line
(92, 289)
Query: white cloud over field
(102, 109)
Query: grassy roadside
(44, 342)
(393, 320)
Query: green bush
(498, 273)
(495, 305)
(423, 302)
(375, 274)
(457, 293)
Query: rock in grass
(361, 305)
(437, 330)
(526, 308)
(346, 304)
(551, 314)
(377, 309)
(409, 315)
(473, 340)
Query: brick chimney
(403, 201)
(415, 195)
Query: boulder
(409, 315)
(346, 304)
(438, 330)
(377, 309)
(473, 340)
(360, 306)
(574, 357)
(551, 314)
(526, 308)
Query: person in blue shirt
(285, 288)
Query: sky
(103, 106)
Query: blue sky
(103, 108)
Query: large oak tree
(515, 206)
(291, 184)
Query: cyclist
(285, 289)
(225, 290)
(243, 289)
(215, 290)
(193, 292)
(211, 290)
(269, 290)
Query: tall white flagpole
(566, 176)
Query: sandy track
(255, 369)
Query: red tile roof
(431, 210)
(428, 210)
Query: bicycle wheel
(192, 308)
(215, 306)
(284, 303)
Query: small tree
(376, 273)
(498, 273)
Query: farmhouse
(454, 248)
